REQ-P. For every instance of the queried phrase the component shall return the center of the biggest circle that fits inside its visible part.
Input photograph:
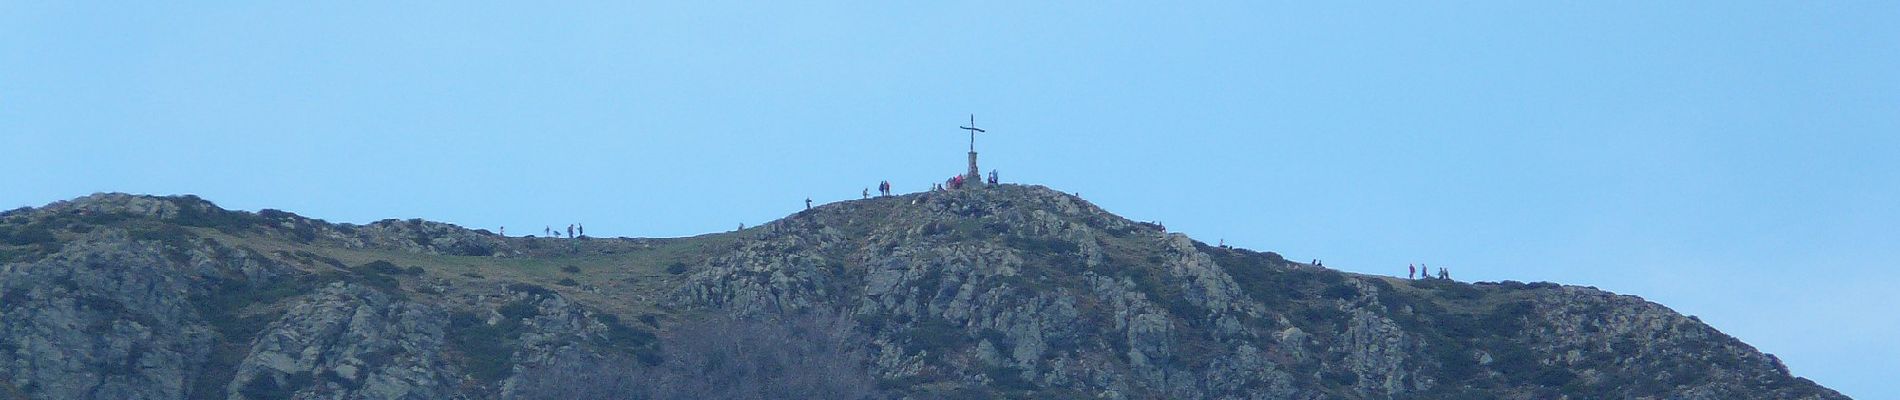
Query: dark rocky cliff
(1008, 291)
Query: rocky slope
(1007, 291)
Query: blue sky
(1732, 160)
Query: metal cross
(973, 130)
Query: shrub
(380, 267)
(935, 335)
(569, 282)
(676, 268)
(193, 211)
(1341, 291)
(518, 309)
(488, 348)
(1341, 378)
(1009, 378)
(624, 337)
(1044, 245)
(571, 269)
(267, 387)
(28, 234)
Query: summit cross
(973, 130)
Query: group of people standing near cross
(1420, 271)
(957, 182)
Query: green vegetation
(384, 275)
(267, 387)
(1468, 337)
(196, 212)
(29, 234)
(487, 350)
(640, 343)
(1008, 378)
(936, 336)
(224, 305)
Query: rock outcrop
(1003, 291)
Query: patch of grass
(382, 267)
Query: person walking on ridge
(1410, 270)
(866, 194)
(582, 229)
(808, 203)
(570, 231)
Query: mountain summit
(1001, 291)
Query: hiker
(581, 228)
(1410, 270)
(992, 177)
(1424, 272)
(1443, 274)
(504, 232)
(884, 188)
(547, 231)
(808, 203)
(866, 194)
(570, 231)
